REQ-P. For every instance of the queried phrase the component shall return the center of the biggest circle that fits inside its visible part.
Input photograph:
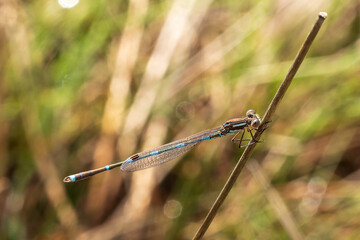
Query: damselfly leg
(241, 138)
(266, 126)
(253, 138)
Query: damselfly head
(251, 113)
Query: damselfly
(174, 149)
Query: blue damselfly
(174, 149)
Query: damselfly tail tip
(67, 179)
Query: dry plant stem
(270, 111)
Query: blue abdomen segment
(72, 178)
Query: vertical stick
(271, 109)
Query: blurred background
(88, 83)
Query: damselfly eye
(255, 124)
(250, 113)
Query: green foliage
(58, 71)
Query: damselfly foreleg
(241, 138)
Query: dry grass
(88, 86)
